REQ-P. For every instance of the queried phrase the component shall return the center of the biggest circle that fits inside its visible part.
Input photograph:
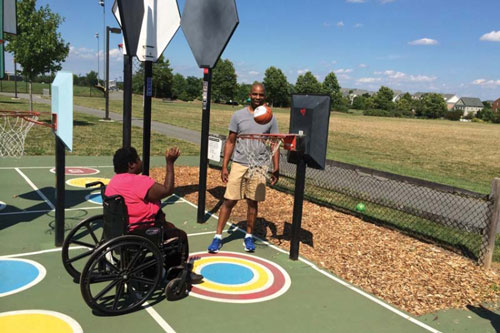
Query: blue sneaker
(249, 245)
(215, 245)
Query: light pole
(101, 3)
(97, 36)
(106, 88)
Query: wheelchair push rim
(121, 275)
(87, 234)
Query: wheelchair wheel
(87, 233)
(121, 275)
(176, 289)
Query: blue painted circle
(16, 274)
(227, 273)
(95, 198)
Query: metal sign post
(208, 27)
(146, 137)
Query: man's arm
(228, 152)
(276, 167)
(159, 191)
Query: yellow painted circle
(263, 278)
(37, 321)
(81, 181)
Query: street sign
(9, 17)
(154, 29)
(208, 26)
(131, 13)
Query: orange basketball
(262, 114)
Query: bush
(454, 115)
(388, 113)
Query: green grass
(92, 137)
(23, 88)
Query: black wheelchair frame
(124, 267)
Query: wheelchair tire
(87, 233)
(121, 275)
(176, 289)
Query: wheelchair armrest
(101, 184)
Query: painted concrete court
(260, 292)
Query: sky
(446, 46)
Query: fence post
(495, 216)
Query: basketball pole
(146, 137)
(60, 191)
(300, 179)
(205, 127)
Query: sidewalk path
(162, 128)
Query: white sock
(218, 236)
(248, 235)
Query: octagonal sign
(208, 26)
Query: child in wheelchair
(142, 197)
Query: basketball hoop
(260, 148)
(14, 126)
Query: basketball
(262, 114)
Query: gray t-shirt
(242, 122)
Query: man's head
(257, 95)
(126, 160)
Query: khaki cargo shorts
(239, 186)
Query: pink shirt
(134, 188)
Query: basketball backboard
(311, 115)
(208, 26)
(62, 108)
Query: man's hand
(275, 176)
(172, 154)
(224, 174)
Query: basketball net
(13, 130)
(259, 151)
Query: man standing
(238, 184)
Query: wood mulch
(412, 275)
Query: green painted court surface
(315, 301)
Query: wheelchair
(124, 267)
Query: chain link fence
(454, 218)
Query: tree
(179, 87)
(405, 103)
(224, 83)
(242, 92)
(37, 47)
(308, 84)
(383, 99)
(91, 78)
(194, 86)
(331, 87)
(431, 106)
(162, 79)
(276, 86)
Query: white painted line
(163, 324)
(336, 279)
(47, 201)
(49, 210)
(26, 254)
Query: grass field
(23, 88)
(442, 151)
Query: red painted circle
(78, 171)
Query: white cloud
(343, 71)
(358, 25)
(369, 79)
(355, 1)
(253, 73)
(394, 77)
(82, 53)
(493, 36)
(363, 65)
(302, 71)
(486, 83)
(424, 41)
(327, 24)
(340, 23)
(386, 1)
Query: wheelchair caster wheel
(176, 289)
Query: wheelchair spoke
(83, 244)
(140, 254)
(142, 280)
(110, 265)
(143, 266)
(92, 234)
(103, 278)
(106, 289)
(118, 295)
(80, 256)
